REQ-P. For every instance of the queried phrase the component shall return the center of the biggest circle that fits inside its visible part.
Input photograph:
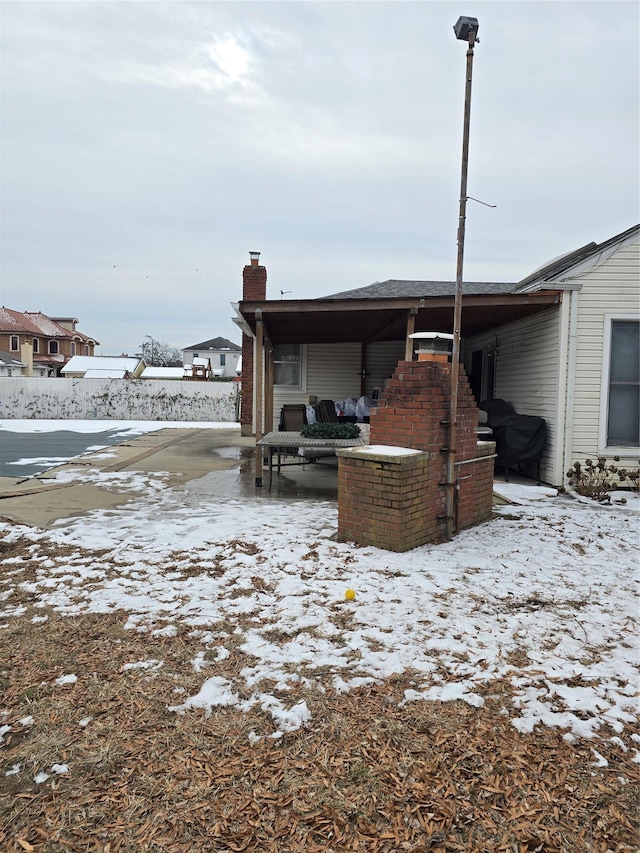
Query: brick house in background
(42, 342)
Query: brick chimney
(254, 280)
(254, 289)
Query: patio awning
(368, 320)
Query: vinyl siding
(611, 288)
(382, 358)
(332, 372)
(527, 372)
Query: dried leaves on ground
(368, 772)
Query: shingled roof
(216, 343)
(401, 289)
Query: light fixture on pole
(465, 29)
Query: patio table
(276, 441)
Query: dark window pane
(286, 352)
(623, 416)
(623, 427)
(625, 351)
(287, 373)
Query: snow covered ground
(545, 596)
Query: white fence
(118, 399)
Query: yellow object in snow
(350, 594)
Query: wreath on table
(320, 430)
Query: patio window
(287, 365)
(623, 390)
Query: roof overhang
(317, 321)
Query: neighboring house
(12, 366)
(103, 367)
(223, 356)
(44, 344)
(562, 344)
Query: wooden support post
(408, 346)
(259, 392)
(268, 387)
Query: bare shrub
(596, 480)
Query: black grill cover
(518, 438)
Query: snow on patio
(544, 596)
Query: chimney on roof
(254, 280)
(26, 357)
(254, 289)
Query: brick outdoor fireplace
(396, 500)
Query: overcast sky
(147, 147)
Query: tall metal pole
(457, 310)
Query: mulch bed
(363, 775)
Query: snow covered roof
(11, 360)
(84, 363)
(163, 373)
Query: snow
(127, 428)
(544, 596)
(66, 679)
(385, 450)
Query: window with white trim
(623, 391)
(53, 347)
(14, 343)
(287, 365)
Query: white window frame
(295, 390)
(57, 348)
(603, 448)
(15, 348)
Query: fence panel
(118, 399)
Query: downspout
(571, 376)
(557, 459)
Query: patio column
(259, 392)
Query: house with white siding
(223, 356)
(561, 344)
(578, 364)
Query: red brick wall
(393, 488)
(254, 289)
(413, 412)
